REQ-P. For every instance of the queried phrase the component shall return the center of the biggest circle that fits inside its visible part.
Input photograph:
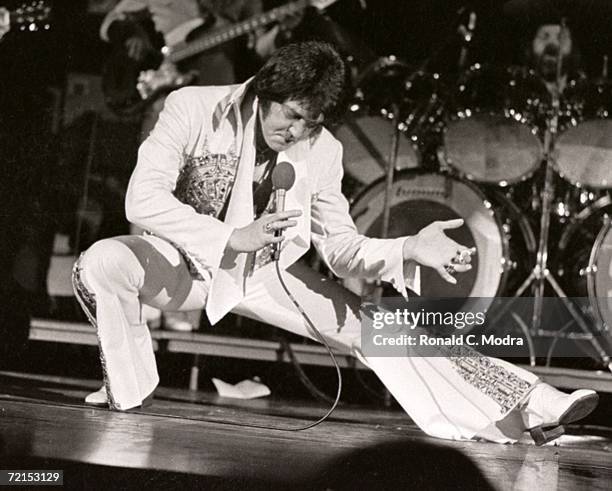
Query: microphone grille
(283, 176)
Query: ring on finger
(463, 257)
(450, 269)
(268, 227)
(459, 258)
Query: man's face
(284, 124)
(549, 43)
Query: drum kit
(527, 168)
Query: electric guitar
(30, 16)
(128, 88)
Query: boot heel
(541, 436)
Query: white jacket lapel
(227, 288)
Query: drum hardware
(391, 164)
(467, 34)
(540, 274)
(389, 96)
(374, 118)
(401, 124)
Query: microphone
(283, 177)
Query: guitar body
(120, 79)
(130, 86)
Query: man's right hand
(260, 233)
(137, 47)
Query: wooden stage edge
(254, 349)
(184, 441)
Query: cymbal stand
(390, 174)
(384, 232)
(540, 274)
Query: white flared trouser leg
(120, 275)
(447, 397)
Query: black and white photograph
(306, 244)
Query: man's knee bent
(110, 261)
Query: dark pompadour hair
(310, 72)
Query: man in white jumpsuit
(201, 189)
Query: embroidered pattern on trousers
(87, 301)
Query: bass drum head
(367, 141)
(421, 198)
(584, 154)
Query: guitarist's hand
(137, 47)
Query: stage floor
(183, 440)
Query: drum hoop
(580, 218)
(457, 115)
(592, 276)
(378, 64)
(416, 173)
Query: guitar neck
(224, 34)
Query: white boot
(97, 398)
(548, 409)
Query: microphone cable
(323, 341)
(319, 338)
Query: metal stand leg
(194, 373)
(384, 233)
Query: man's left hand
(433, 248)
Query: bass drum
(584, 261)
(502, 236)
